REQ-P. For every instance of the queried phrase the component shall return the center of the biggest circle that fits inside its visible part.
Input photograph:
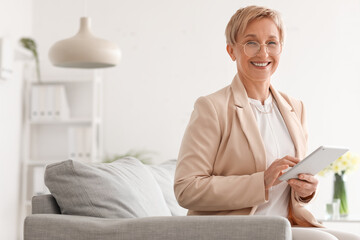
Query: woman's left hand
(305, 186)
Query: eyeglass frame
(263, 44)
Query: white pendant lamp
(84, 50)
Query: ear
(230, 51)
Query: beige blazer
(221, 164)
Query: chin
(262, 78)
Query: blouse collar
(266, 108)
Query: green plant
(143, 155)
(347, 163)
(30, 44)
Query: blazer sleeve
(302, 118)
(196, 187)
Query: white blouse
(278, 143)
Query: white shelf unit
(49, 141)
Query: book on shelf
(60, 105)
(80, 143)
(48, 102)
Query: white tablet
(315, 162)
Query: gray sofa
(81, 208)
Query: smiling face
(260, 67)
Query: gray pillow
(122, 189)
(164, 174)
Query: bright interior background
(174, 52)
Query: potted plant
(30, 44)
(347, 163)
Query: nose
(263, 52)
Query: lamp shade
(84, 50)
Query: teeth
(260, 64)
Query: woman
(241, 138)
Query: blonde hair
(241, 19)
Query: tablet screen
(315, 162)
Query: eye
(252, 43)
(272, 43)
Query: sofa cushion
(121, 189)
(164, 174)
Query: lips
(260, 64)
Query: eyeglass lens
(252, 48)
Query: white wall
(15, 22)
(174, 52)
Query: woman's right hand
(275, 170)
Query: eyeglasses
(252, 48)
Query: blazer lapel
(293, 124)
(248, 123)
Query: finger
(308, 177)
(275, 173)
(292, 182)
(283, 162)
(293, 159)
(279, 169)
(287, 159)
(296, 188)
(282, 167)
(286, 162)
(301, 192)
(302, 186)
(297, 183)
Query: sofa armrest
(59, 227)
(43, 204)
